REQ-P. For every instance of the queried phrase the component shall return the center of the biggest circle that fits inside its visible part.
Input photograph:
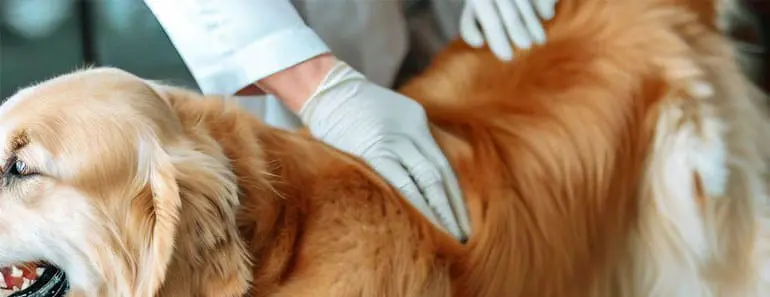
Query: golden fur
(625, 158)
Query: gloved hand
(498, 17)
(390, 132)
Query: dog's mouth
(32, 280)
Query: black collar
(53, 283)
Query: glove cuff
(339, 85)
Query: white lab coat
(229, 44)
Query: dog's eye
(19, 168)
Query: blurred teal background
(43, 38)
(40, 39)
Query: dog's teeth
(39, 271)
(25, 284)
(2, 282)
(16, 272)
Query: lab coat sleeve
(229, 44)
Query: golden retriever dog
(624, 158)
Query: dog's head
(95, 170)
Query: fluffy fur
(625, 158)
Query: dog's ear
(187, 165)
(162, 204)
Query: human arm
(230, 44)
(233, 44)
(388, 130)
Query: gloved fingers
(435, 192)
(430, 181)
(495, 34)
(456, 198)
(450, 183)
(546, 8)
(531, 20)
(469, 30)
(513, 25)
(398, 176)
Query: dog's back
(316, 221)
(622, 158)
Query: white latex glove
(390, 132)
(501, 21)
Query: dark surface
(760, 10)
(764, 39)
(90, 36)
(24, 61)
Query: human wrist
(296, 84)
(332, 97)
